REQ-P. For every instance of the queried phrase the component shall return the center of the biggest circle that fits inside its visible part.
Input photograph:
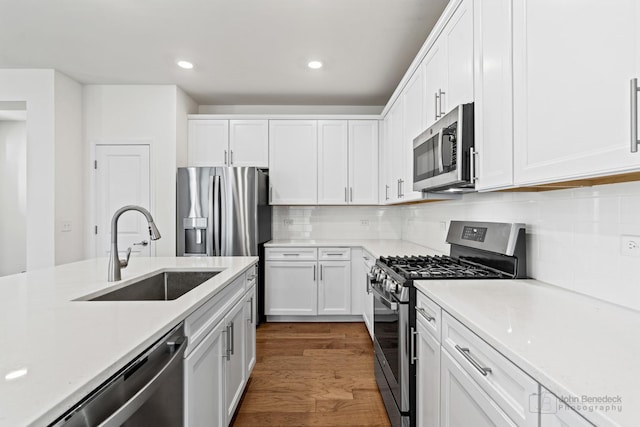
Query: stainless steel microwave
(443, 154)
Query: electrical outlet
(65, 227)
(630, 246)
(288, 221)
(364, 222)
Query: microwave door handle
(439, 151)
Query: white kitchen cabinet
(462, 402)
(291, 288)
(458, 37)
(250, 335)
(571, 88)
(333, 162)
(493, 106)
(228, 143)
(208, 142)
(358, 278)
(556, 413)
(413, 124)
(205, 381)
(334, 287)
(347, 162)
(434, 66)
(367, 262)
(427, 376)
(235, 370)
(394, 152)
(293, 162)
(363, 162)
(249, 143)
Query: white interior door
(122, 178)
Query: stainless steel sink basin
(161, 287)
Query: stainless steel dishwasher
(146, 392)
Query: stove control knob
(393, 286)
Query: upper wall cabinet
(347, 162)
(228, 143)
(571, 83)
(293, 162)
(493, 106)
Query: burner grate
(439, 267)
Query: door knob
(142, 243)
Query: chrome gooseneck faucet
(115, 263)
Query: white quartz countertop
(57, 350)
(376, 247)
(571, 344)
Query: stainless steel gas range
(479, 250)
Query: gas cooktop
(439, 267)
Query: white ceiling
(245, 52)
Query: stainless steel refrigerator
(224, 211)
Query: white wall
(137, 114)
(69, 170)
(573, 236)
(336, 222)
(184, 106)
(13, 197)
(36, 87)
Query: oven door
(391, 328)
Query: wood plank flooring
(312, 374)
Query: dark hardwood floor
(312, 374)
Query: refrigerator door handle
(214, 210)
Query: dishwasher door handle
(125, 411)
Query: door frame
(91, 210)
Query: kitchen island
(57, 349)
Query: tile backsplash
(574, 236)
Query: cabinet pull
(413, 345)
(270, 194)
(436, 106)
(225, 157)
(320, 272)
(386, 192)
(290, 254)
(232, 338)
(231, 157)
(466, 353)
(345, 194)
(314, 273)
(634, 115)
(472, 165)
(351, 194)
(251, 310)
(401, 188)
(441, 93)
(424, 314)
(227, 352)
(398, 189)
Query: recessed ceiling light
(314, 65)
(185, 64)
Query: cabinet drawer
(429, 314)
(504, 382)
(204, 319)
(250, 276)
(334, 254)
(291, 254)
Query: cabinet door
(208, 142)
(235, 373)
(458, 37)
(205, 381)
(357, 280)
(572, 71)
(555, 413)
(334, 287)
(333, 162)
(290, 288)
(249, 143)
(413, 124)
(363, 162)
(396, 147)
(427, 378)
(250, 335)
(462, 401)
(493, 107)
(386, 172)
(293, 165)
(367, 304)
(435, 82)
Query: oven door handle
(390, 304)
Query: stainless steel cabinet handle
(291, 254)
(227, 352)
(270, 194)
(351, 194)
(345, 194)
(424, 314)
(441, 93)
(466, 353)
(251, 310)
(398, 189)
(321, 272)
(436, 106)
(402, 188)
(225, 157)
(233, 329)
(413, 356)
(231, 158)
(142, 243)
(386, 192)
(333, 254)
(314, 273)
(634, 115)
(472, 165)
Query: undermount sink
(165, 286)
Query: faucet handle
(125, 262)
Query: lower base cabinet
(217, 370)
(427, 378)
(463, 403)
